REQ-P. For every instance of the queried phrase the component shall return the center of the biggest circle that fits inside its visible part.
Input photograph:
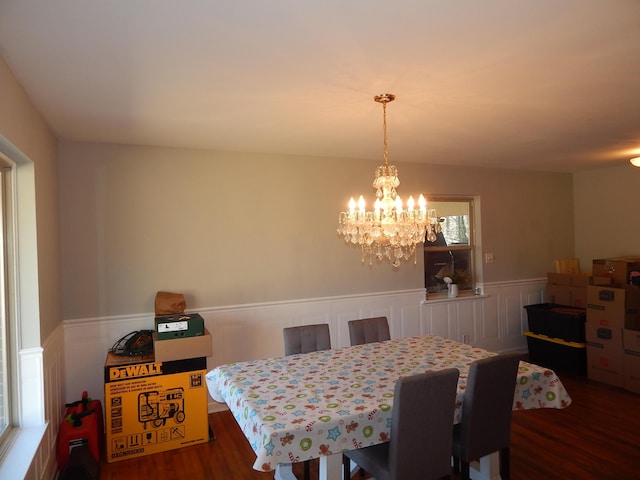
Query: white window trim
(477, 287)
(29, 409)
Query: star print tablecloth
(299, 407)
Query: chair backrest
(306, 338)
(368, 330)
(422, 425)
(487, 405)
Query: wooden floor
(597, 437)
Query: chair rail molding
(494, 321)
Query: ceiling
(550, 85)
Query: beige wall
(606, 213)
(25, 131)
(230, 229)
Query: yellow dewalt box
(153, 407)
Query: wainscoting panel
(32, 455)
(487, 327)
(467, 321)
(511, 302)
(493, 321)
(54, 399)
(435, 319)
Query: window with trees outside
(451, 254)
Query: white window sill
(442, 297)
(19, 456)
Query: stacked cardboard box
(603, 331)
(153, 407)
(155, 403)
(570, 289)
(613, 324)
(619, 269)
(181, 348)
(631, 359)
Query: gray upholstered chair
(486, 413)
(421, 431)
(306, 338)
(368, 330)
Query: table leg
(284, 471)
(330, 467)
(487, 468)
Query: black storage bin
(557, 354)
(557, 321)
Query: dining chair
(421, 431)
(305, 339)
(485, 425)
(368, 330)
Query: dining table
(317, 405)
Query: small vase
(453, 290)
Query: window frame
(472, 248)
(9, 387)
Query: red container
(83, 425)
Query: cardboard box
(631, 340)
(567, 296)
(182, 348)
(605, 354)
(632, 307)
(152, 407)
(606, 306)
(578, 297)
(614, 307)
(632, 371)
(559, 278)
(631, 360)
(570, 289)
(559, 294)
(576, 279)
(618, 269)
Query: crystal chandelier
(391, 231)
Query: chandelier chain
(384, 99)
(384, 127)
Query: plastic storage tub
(557, 321)
(557, 354)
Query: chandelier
(391, 231)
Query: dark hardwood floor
(597, 437)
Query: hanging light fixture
(391, 231)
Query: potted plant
(454, 279)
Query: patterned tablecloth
(304, 406)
